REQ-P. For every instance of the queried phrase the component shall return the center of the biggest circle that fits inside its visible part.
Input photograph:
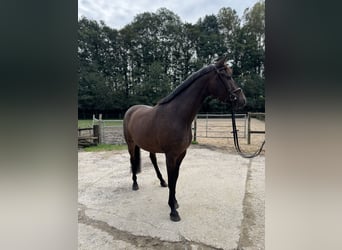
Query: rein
(236, 140)
(233, 98)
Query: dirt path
(221, 199)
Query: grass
(85, 123)
(114, 123)
(89, 123)
(105, 147)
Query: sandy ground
(228, 143)
(221, 198)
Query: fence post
(249, 129)
(206, 126)
(246, 125)
(96, 133)
(195, 129)
(101, 132)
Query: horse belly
(156, 140)
(145, 135)
(148, 142)
(175, 140)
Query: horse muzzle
(237, 98)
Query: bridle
(232, 96)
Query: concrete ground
(220, 195)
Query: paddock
(208, 129)
(221, 198)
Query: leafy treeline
(148, 58)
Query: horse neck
(189, 102)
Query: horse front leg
(172, 173)
(173, 164)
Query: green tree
(156, 84)
(210, 44)
(152, 55)
(249, 55)
(229, 23)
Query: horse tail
(135, 161)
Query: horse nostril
(233, 98)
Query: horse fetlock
(174, 216)
(176, 204)
(163, 183)
(135, 186)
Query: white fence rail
(218, 125)
(204, 126)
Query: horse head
(224, 87)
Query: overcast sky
(118, 13)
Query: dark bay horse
(166, 127)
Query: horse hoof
(135, 186)
(175, 217)
(163, 184)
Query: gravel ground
(221, 198)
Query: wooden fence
(110, 131)
(204, 125)
(249, 130)
(219, 126)
(89, 136)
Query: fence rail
(218, 125)
(250, 132)
(204, 126)
(90, 138)
(110, 131)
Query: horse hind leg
(135, 165)
(155, 165)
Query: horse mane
(186, 83)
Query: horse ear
(221, 60)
